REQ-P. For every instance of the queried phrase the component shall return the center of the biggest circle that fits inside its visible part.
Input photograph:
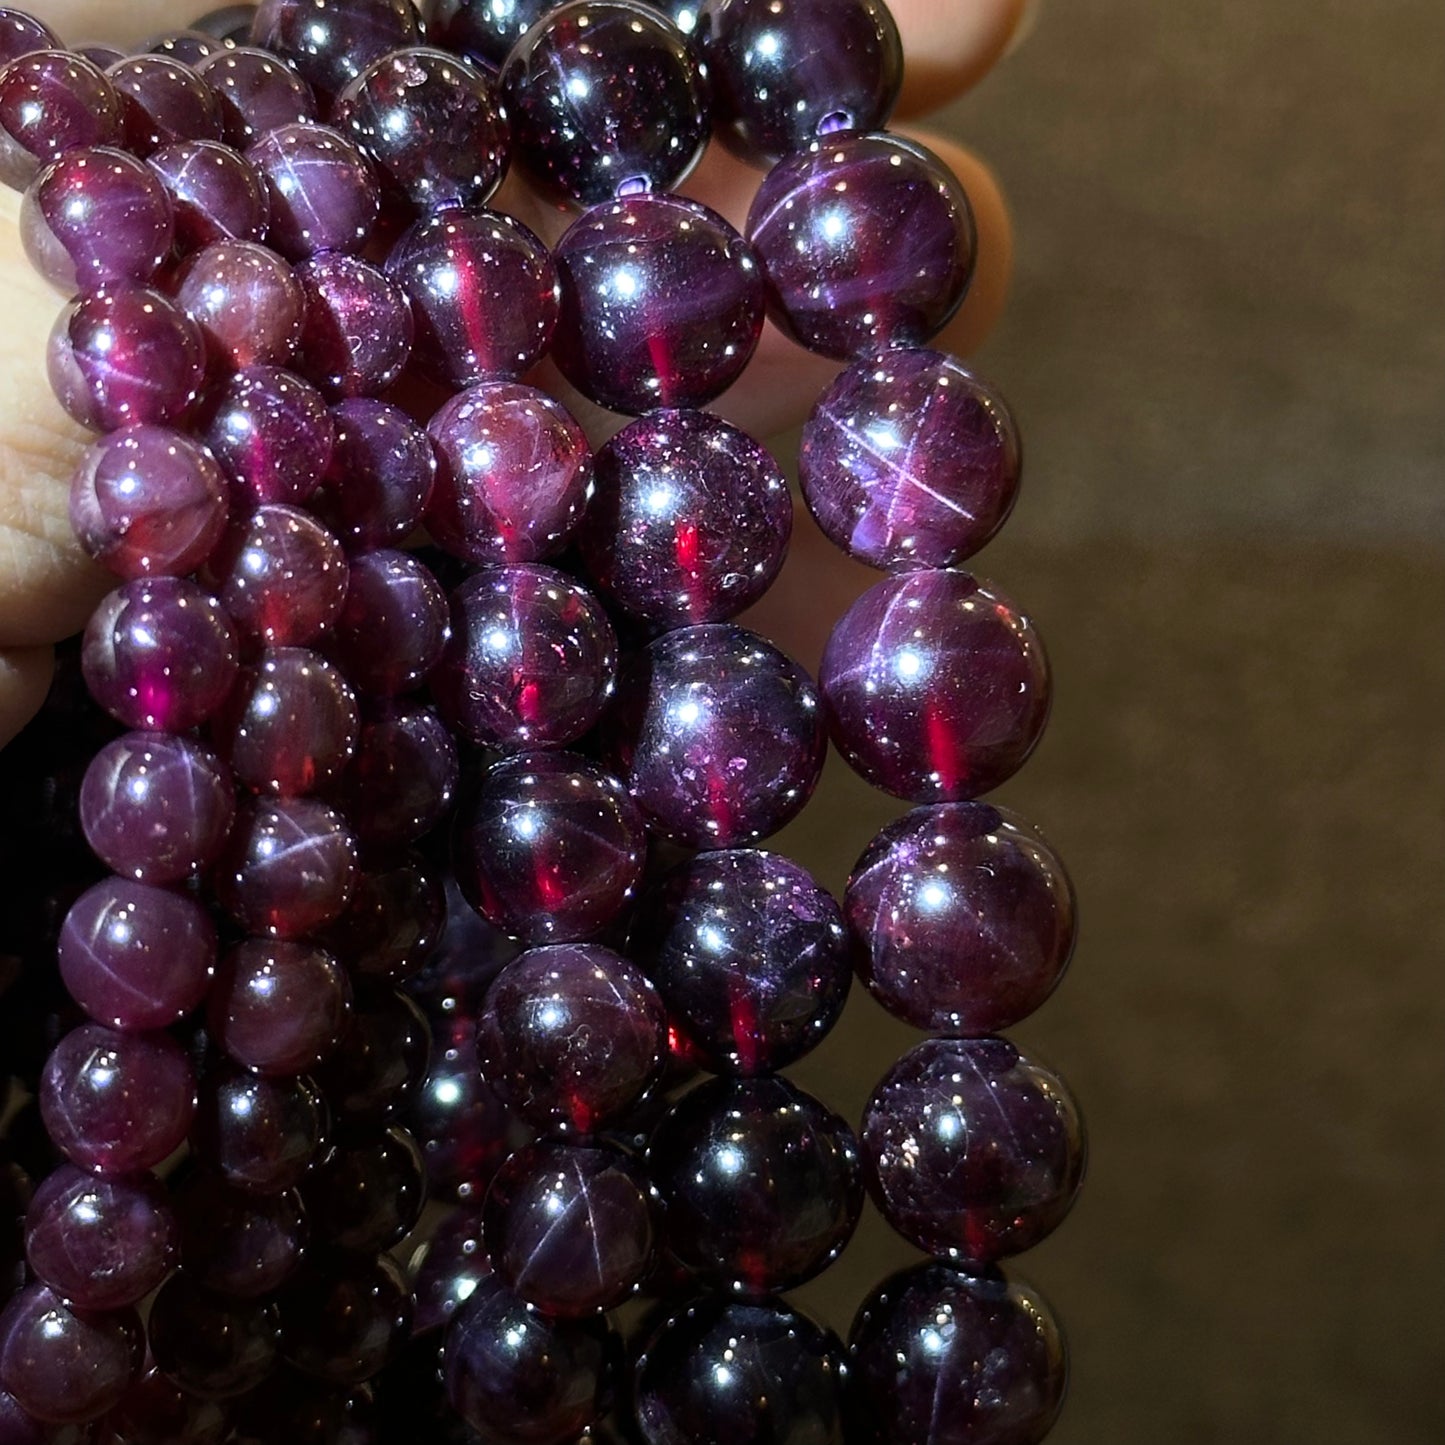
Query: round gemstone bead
(393, 627)
(148, 501)
(51, 102)
(367, 1194)
(447, 1269)
(257, 92)
(965, 918)
(159, 653)
(163, 101)
(936, 687)
(116, 1103)
(725, 1370)
(751, 957)
(330, 42)
(211, 1346)
(404, 776)
(156, 1411)
(215, 193)
(189, 47)
(380, 1062)
(467, 957)
(606, 98)
(344, 1322)
(972, 1150)
(867, 241)
(381, 475)
(531, 662)
(247, 302)
(272, 435)
(483, 30)
(240, 1245)
(483, 294)
(759, 1183)
(356, 337)
(323, 193)
(955, 1358)
(391, 925)
(258, 1134)
(513, 469)
(717, 735)
(689, 520)
(571, 1036)
(662, 304)
(550, 848)
(136, 957)
(21, 34)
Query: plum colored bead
(156, 807)
(689, 520)
(513, 1374)
(433, 126)
(210, 1346)
(281, 575)
(936, 686)
(513, 471)
(883, 263)
(94, 217)
(404, 776)
(259, 1134)
(227, 22)
(330, 42)
(447, 1269)
(215, 193)
(483, 295)
(380, 1062)
(272, 435)
(367, 1194)
(51, 102)
(467, 957)
(606, 98)
(136, 957)
(381, 475)
(147, 501)
(571, 1036)
(61, 1367)
(972, 1150)
(782, 75)
(346, 1321)
(569, 1227)
(21, 34)
(717, 735)
(240, 1245)
(940, 1356)
(483, 30)
(725, 1370)
(159, 653)
(965, 916)
(750, 955)
(247, 302)
(356, 337)
(394, 626)
(116, 1103)
(392, 923)
(323, 194)
(189, 47)
(257, 92)
(155, 1411)
(100, 1244)
(289, 867)
(162, 102)
(550, 848)
(531, 662)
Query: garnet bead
(323, 193)
(367, 1194)
(247, 302)
(51, 102)
(447, 1269)
(483, 30)
(211, 1346)
(257, 92)
(380, 1061)
(344, 1321)
(21, 33)
(156, 1411)
(258, 1134)
(381, 475)
(331, 41)
(394, 625)
(215, 193)
(272, 435)
(189, 47)
(240, 1245)
(404, 776)
(162, 102)
(356, 336)
(391, 925)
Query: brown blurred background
(1226, 347)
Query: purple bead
(155, 1411)
(569, 1227)
(344, 1324)
(404, 776)
(662, 304)
(936, 687)
(380, 1061)
(750, 955)
(156, 807)
(227, 22)
(116, 1103)
(281, 576)
(606, 98)
(972, 1150)
(550, 848)
(447, 1269)
(784, 74)
(162, 102)
(100, 55)
(148, 501)
(482, 30)
(381, 475)
(689, 521)
(51, 102)
(531, 662)
(884, 262)
(215, 193)
(949, 1357)
(210, 1346)
(356, 337)
(160, 654)
(323, 193)
(759, 1183)
(136, 957)
(391, 925)
(394, 625)
(62, 1367)
(21, 33)
(247, 302)
(189, 47)
(257, 92)
(240, 1245)
(367, 1194)
(467, 957)
(483, 295)
(330, 42)
(910, 461)
(272, 435)
(513, 469)
(965, 916)
(571, 1036)
(717, 735)
(94, 217)
(258, 1134)
(433, 126)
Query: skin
(48, 587)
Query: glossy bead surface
(215, 193)
(689, 521)
(159, 653)
(550, 849)
(483, 30)
(52, 102)
(117, 1103)
(606, 98)
(356, 337)
(950, 1357)
(884, 263)
(717, 735)
(751, 957)
(394, 625)
(965, 917)
(367, 1194)
(213, 1347)
(21, 34)
(322, 191)
(972, 1150)
(483, 295)
(228, 23)
(162, 102)
(190, 47)
(392, 923)
(344, 1322)
(724, 1370)
(331, 41)
(381, 475)
(380, 1060)
(257, 92)
(531, 662)
(936, 687)
(759, 1183)
(240, 1245)
(401, 782)
(155, 1411)
(272, 435)
(247, 302)
(258, 1134)
(447, 1269)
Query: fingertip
(25, 674)
(949, 47)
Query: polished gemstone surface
(331, 41)
(380, 1061)
(52, 102)
(156, 1411)
(356, 337)
(482, 30)
(447, 1269)
(392, 924)
(215, 193)
(344, 1321)
(381, 475)
(247, 302)
(272, 435)
(257, 92)
(241, 1245)
(163, 101)
(323, 192)
(259, 1134)
(401, 783)
(21, 33)
(367, 1193)
(394, 625)
(211, 1346)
